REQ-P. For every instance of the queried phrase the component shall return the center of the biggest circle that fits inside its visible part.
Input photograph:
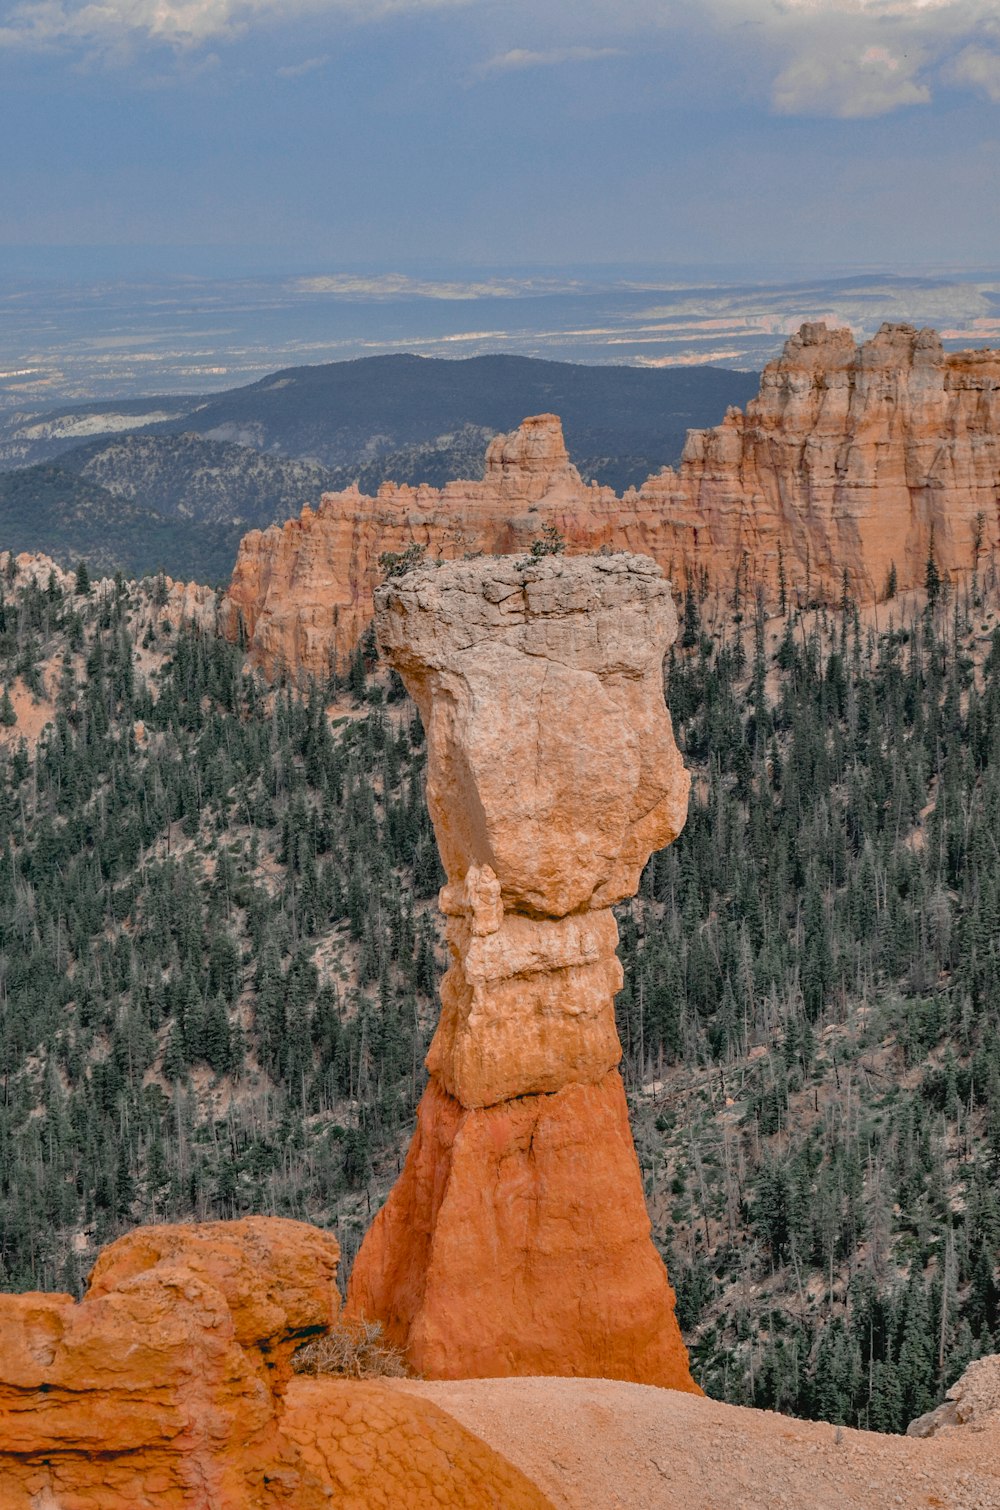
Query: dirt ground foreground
(594, 1444)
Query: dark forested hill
(621, 423)
(188, 478)
(51, 509)
(219, 957)
(172, 483)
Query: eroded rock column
(516, 1240)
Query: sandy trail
(592, 1444)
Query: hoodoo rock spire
(516, 1240)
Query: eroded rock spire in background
(853, 461)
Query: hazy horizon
(197, 193)
(70, 334)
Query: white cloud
(851, 58)
(979, 68)
(526, 57)
(867, 81)
(103, 25)
(840, 58)
(308, 65)
(891, 9)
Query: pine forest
(219, 952)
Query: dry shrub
(352, 1350)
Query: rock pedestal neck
(858, 460)
(516, 1240)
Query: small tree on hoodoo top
(549, 543)
(397, 563)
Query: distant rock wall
(516, 1240)
(852, 459)
(855, 459)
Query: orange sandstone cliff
(516, 1240)
(852, 458)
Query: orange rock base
(164, 1387)
(516, 1241)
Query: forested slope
(822, 945)
(169, 1042)
(219, 953)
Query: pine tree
(932, 577)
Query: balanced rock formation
(855, 459)
(516, 1240)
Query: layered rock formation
(301, 593)
(169, 1387)
(855, 459)
(164, 1386)
(516, 1240)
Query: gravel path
(593, 1444)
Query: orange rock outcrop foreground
(164, 1385)
(855, 459)
(163, 1390)
(169, 1387)
(516, 1240)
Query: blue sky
(381, 134)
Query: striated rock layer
(169, 1387)
(855, 459)
(516, 1240)
(164, 1386)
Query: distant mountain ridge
(348, 414)
(173, 481)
